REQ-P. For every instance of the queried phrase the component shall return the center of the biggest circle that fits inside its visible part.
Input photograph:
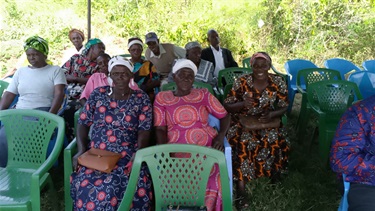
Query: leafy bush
(314, 30)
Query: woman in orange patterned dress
(263, 152)
(181, 117)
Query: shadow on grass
(308, 186)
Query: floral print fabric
(353, 147)
(259, 153)
(115, 126)
(187, 121)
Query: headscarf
(119, 60)
(184, 63)
(191, 45)
(89, 44)
(135, 41)
(37, 43)
(259, 55)
(76, 31)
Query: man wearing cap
(162, 55)
(221, 57)
(205, 68)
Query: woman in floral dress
(121, 120)
(181, 117)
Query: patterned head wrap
(37, 43)
(119, 60)
(76, 31)
(259, 55)
(89, 44)
(184, 63)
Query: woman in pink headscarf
(262, 152)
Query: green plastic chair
(228, 76)
(69, 152)
(28, 133)
(178, 181)
(246, 63)
(3, 86)
(306, 77)
(330, 99)
(198, 85)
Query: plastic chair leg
(291, 95)
(325, 139)
(344, 200)
(301, 122)
(228, 158)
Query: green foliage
(310, 29)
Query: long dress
(115, 126)
(187, 121)
(259, 153)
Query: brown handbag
(250, 122)
(98, 159)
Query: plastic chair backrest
(333, 97)
(178, 181)
(312, 75)
(342, 65)
(198, 85)
(29, 133)
(246, 62)
(365, 81)
(293, 66)
(3, 86)
(229, 75)
(369, 65)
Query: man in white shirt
(221, 57)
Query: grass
(309, 185)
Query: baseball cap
(151, 37)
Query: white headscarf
(184, 63)
(119, 60)
(135, 42)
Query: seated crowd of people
(122, 106)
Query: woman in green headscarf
(78, 70)
(38, 86)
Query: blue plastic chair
(292, 67)
(342, 65)
(365, 81)
(344, 200)
(369, 65)
(215, 123)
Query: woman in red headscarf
(260, 152)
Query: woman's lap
(105, 191)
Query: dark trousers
(361, 197)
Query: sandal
(241, 203)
